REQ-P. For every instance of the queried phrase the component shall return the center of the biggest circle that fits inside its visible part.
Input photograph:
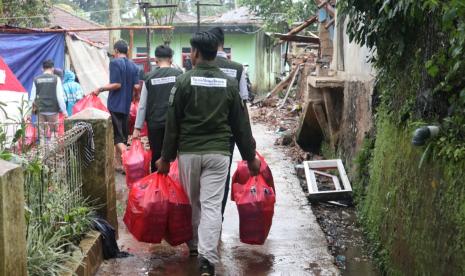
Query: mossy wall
(414, 217)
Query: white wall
(356, 65)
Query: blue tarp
(24, 53)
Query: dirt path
(295, 246)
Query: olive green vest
(230, 68)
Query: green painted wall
(244, 49)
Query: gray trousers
(203, 177)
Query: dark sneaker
(206, 268)
(193, 252)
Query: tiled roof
(66, 20)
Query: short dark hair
(48, 64)
(219, 34)
(163, 51)
(206, 43)
(121, 46)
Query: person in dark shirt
(47, 99)
(124, 78)
(154, 98)
(205, 110)
(236, 71)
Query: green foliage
(451, 144)
(57, 216)
(277, 13)
(24, 13)
(414, 217)
(362, 163)
(56, 222)
(47, 255)
(412, 197)
(98, 8)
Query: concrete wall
(12, 221)
(350, 60)
(351, 63)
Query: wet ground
(345, 239)
(296, 244)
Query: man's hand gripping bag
(136, 162)
(242, 175)
(88, 101)
(146, 215)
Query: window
(141, 51)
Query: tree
(279, 12)
(98, 9)
(24, 13)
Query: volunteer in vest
(205, 110)
(47, 98)
(154, 98)
(124, 78)
(234, 70)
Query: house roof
(66, 20)
(241, 15)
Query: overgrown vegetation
(57, 217)
(281, 14)
(411, 198)
(24, 13)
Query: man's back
(125, 72)
(230, 68)
(46, 97)
(159, 83)
(206, 93)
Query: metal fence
(53, 162)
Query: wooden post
(131, 43)
(115, 20)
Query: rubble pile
(285, 123)
(280, 109)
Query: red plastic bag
(174, 171)
(30, 137)
(88, 101)
(132, 119)
(242, 175)
(179, 215)
(146, 215)
(61, 125)
(136, 162)
(255, 202)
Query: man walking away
(124, 78)
(73, 91)
(154, 98)
(205, 110)
(234, 70)
(47, 99)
